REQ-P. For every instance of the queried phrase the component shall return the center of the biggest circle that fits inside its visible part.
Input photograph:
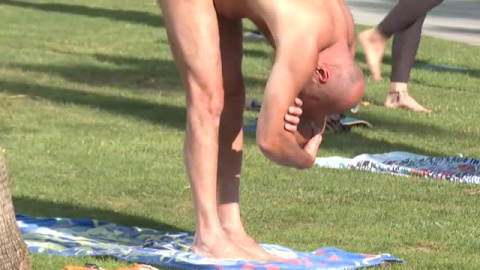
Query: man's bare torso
(330, 20)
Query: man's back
(283, 19)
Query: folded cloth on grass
(456, 169)
(68, 237)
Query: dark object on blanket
(13, 251)
(334, 123)
(340, 122)
(353, 122)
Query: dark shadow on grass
(256, 53)
(449, 86)
(43, 208)
(164, 71)
(130, 73)
(402, 125)
(452, 29)
(139, 17)
(255, 83)
(156, 113)
(426, 65)
(356, 144)
(421, 64)
(249, 52)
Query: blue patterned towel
(455, 169)
(68, 237)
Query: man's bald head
(337, 85)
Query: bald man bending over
(314, 66)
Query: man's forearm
(290, 72)
(285, 151)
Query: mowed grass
(92, 118)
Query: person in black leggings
(404, 23)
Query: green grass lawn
(92, 119)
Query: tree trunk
(13, 251)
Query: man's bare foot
(251, 246)
(220, 246)
(401, 99)
(373, 44)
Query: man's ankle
(209, 237)
(233, 228)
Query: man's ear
(323, 74)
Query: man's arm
(293, 67)
(352, 44)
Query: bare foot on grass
(402, 100)
(373, 44)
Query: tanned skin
(206, 42)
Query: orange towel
(139, 267)
(136, 266)
(74, 267)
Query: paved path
(457, 20)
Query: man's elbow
(272, 147)
(274, 150)
(268, 147)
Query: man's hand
(308, 134)
(292, 117)
(300, 127)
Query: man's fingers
(295, 111)
(298, 102)
(291, 128)
(292, 119)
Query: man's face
(313, 103)
(323, 98)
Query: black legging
(405, 23)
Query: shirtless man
(314, 47)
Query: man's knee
(207, 101)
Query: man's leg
(404, 50)
(230, 134)
(192, 28)
(231, 137)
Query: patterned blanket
(67, 237)
(456, 169)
